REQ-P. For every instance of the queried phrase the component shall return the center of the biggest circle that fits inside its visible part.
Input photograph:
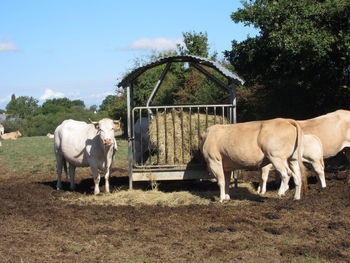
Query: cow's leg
(71, 171)
(294, 165)
(107, 181)
(281, 167)
(263, 179)
(347, 155)
(227, 185)
(217, 170)
(319, 169)
(97, 179)
(59, 166)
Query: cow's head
(18, 133)
(105, 128)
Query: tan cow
(312, 154)
(333, 129)
(11, 135)
(51, 136)
(253, 145)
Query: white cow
(312, 154)
(81, 145)
(2, 129)
(143, 144)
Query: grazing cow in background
(2, 129)
(312, 154)
(253, 145)
(11, 135)
(51, 136)
(81, 145)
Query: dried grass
(177, 134)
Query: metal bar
(165, 139)
(223, 115)
(130, 137)
(174, 136)
(140, 134)
(182, 136)
(159, 82)
(183, 106)
(214, 115)
(206, 117)
(198, 127)
(157, 126)
(190, 115)
(210, 76)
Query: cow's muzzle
(108, 142)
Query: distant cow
(2, 129)
(312, 154)
(51, 136)
(253, 145)
(11, 135)
(81, 145)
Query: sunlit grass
(36, 155)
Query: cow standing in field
(312, 154)
(2, 129)
(253, 145)
(333, 129)
(11, 135)
(81, 145)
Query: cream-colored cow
(333, 129)
(11, 135)
(312, 154)
(2, 129)
(254, 145)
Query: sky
(80, 49)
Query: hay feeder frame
(150, 169)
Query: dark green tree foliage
(299, 64)
(22, 106)
(44, 119)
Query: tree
(300, 58)
(22, 107)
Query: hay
(177, 138)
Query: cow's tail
(299, 149)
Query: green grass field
(36, 155)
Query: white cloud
(8, 46)
(156, 44)
(101, 95)
(5, 99)
(49, 93)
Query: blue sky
(81, 49)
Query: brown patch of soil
(37, 226)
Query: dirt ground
(38, 226)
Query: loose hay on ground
(240, 196)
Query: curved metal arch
(195, 60)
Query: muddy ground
(37, 225)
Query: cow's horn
(93, 122)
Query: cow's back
(333, 130)
(74, 139)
